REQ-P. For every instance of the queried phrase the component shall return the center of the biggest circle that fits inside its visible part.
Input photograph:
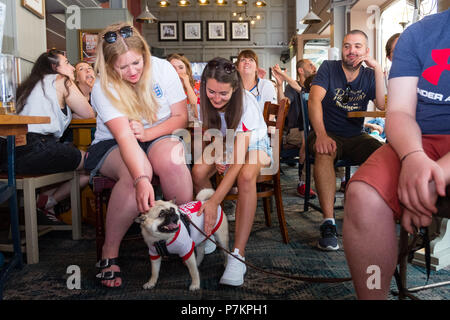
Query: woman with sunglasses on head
(140, 102)
(50, 91)
(262, 89)
(191, 87)
(225, 104)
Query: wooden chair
(270, 185)
(29, 184)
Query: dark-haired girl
(50, 91)
(225, 104)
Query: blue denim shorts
(262, 145)
(97, 153)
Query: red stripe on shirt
(188, 255)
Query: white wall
(25, 35)
(268, 37)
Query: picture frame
(37, 7)
(192, 31)
(216, 30)
(168, 30)
(240, 30)
(88, 45)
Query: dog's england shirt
(182, 243)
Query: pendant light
(146, 16)
(311, 17)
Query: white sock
(236, 252)
(329, 219)
(51, 202)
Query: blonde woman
(140, 102)
(191, 87)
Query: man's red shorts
(382, 169)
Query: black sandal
(108, 275)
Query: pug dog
(162, 222)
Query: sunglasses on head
(124, 32)
(346, 97)
(227, 66)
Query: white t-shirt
(264, 91)
(43, 101)
(252, 119)
(183, 244)
(166, 86)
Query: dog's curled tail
(204, 194)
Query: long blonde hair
(136, 102)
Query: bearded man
(339, 87)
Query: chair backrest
(275, 116)
(304, 107)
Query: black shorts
(43, 154)
(356, 149)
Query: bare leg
(201, 174)
(246, 203)
(174, 175)
(325, 179)
(62, 191)
(122, 207)
(369, 240)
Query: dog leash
(292, 277)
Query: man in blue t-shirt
(339, 87)
(402, 180)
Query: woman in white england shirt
(140, 102)
(225, 104)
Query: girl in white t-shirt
(140, 102)
(262, 89)
(225, 104)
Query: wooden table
(82, 129)
(362, 114)
(12, 126)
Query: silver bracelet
(141, 177)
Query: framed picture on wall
(168, 31)
(35, 6)
(216, 31)
(192, 31)
(240, 30)
(88, 45)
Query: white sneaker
(210, 246)
(234, 271)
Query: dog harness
(183, 243)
